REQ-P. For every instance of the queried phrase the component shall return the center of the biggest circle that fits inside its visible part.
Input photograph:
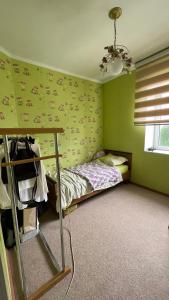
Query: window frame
(155, 141)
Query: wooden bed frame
(52, 185)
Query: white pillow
(112, 160)
(99, 154)
(118, 160)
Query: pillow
(112, 160)
(99, 154)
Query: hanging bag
(21, 150)
(28, 170)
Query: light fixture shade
(115, 67)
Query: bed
(87, 191)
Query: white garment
(25, 186)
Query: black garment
(8, 228)
(7, 222)
(22, 171)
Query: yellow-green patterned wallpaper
(8, 115)
(46, 98)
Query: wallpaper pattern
(46, 98)
(8, 115)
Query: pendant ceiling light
(117, 59)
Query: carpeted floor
(121, 248)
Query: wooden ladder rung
(26, 161)
(49, 284)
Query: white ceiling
(70, 35)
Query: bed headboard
(128, 155)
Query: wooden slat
(26, 161)
(152, 113)
(147, 78)
(48, 285)
(155, 102)
(153, 80)
(152, 92)
(151, 122)
(149, 70)
(18, 131)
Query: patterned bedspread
(97, 174)
(83, 179)
(72, 186)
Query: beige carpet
(121, 248)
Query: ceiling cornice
(38, 64)
(32, 62)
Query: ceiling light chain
(117, 59)
(115, 34)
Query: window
(163, 137)
(157, 138)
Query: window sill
(166, 152)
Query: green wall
(46, 98)
(148, 169)
(4, 261)
(32, 96)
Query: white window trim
(155, 142)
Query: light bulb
(115, 67)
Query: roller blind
(152, 93)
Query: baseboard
(150, 189)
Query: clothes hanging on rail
(25, 186)
(7, 226)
